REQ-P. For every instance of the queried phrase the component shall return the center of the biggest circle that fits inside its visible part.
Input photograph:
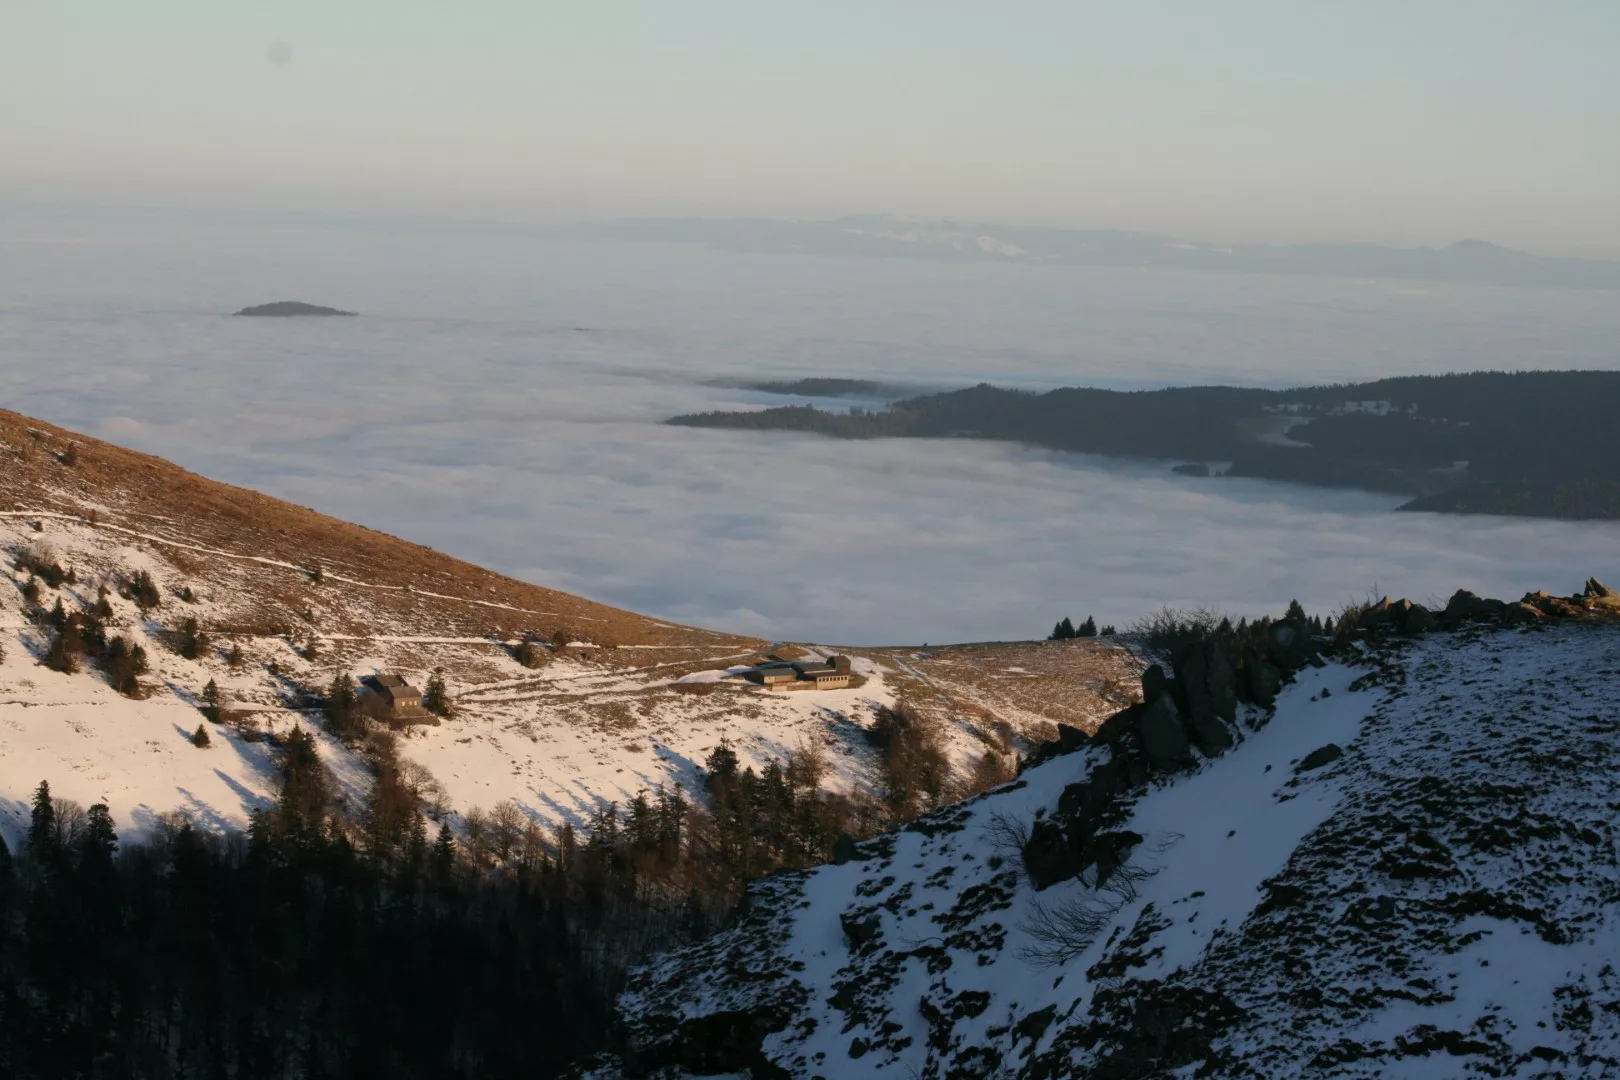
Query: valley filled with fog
(501, 398)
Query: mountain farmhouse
(394, 700)
(832, 673)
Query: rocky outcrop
(1164, 738)
(1050, 855)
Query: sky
(1247, 120)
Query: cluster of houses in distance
(809, 674)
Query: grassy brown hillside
(279, 550)
(601, 704)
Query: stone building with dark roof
(394, 700)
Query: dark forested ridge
(1541, 444)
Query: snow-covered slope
(617, 703)
(1437, 901)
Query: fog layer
(500, 400)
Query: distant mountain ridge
(885, 236)
(1535, 444)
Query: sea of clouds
(501, 399)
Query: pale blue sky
(1412, 122)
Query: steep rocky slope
(605, 702)
(1404, 866)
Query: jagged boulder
(1070, 739)
(1212, 736)
(1596, 590)
(1520, 614)
(1048, 856)
(722, 1042)
(1289, 642)
(844, 850)
(859, 929)
(1465, 606)
(1206, 694)
(1261, 679)
(1108, 851)
(1119, 732)
(1378, 615)
(1416, 620)
(1155, 684)
(1222, 684)
(1322, 755)
(1164, 737)
(1092, 804)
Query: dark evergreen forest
(1541, 444)
(330, 941)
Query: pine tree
(8, 880)
(235, 657)
(144, 592)
(416, 842)
(1296, 613)
(342, 707)
(444, 855)
(200, 739)
(65, 650)
(1063, 631)
(1087, 628)
(721, 765)
(98, 841)
(193, 642)
(42, 825)
(437, 699)
(210, 700)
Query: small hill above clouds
(291, 308)
(561, 704)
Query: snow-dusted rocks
(1438, 901)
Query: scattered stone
(1319, 757)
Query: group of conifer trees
(344, 940)
(1065, 629)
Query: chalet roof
(386, 679)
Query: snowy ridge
(1437, 901)
(607, 704)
